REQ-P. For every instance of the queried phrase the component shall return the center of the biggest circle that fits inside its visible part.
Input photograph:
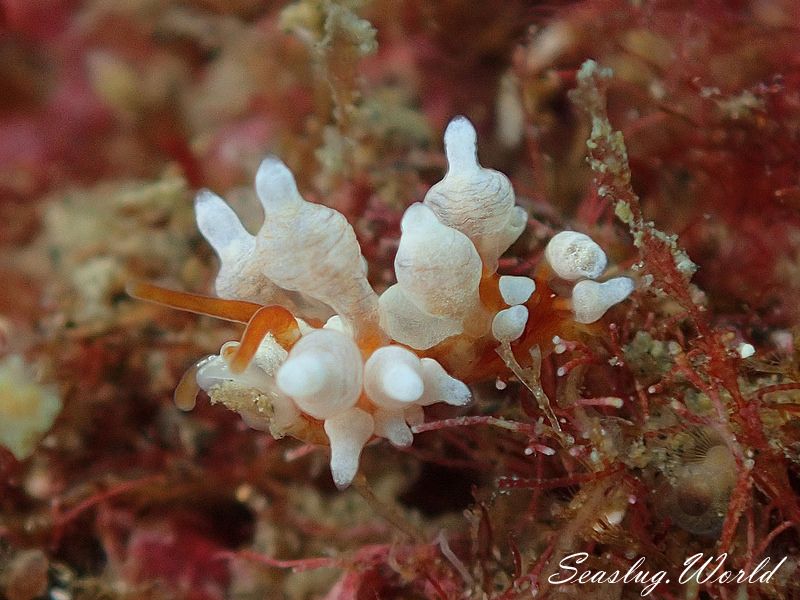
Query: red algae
(667, 429)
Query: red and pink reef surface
(678, 150)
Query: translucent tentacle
(239, 311)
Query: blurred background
(113, 114)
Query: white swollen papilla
(322, 373)
(399, 383)
(437, 267)
(591, 300)
(516, 290)
(312, 249)
(477, 201)
(408, 324)
(348, 432)
(239, 277)
(393, 377)
(509, 324)
(393, 380)
(439, 386)
(575, 256)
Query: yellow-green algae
(27, 408)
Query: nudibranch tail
(239, 311)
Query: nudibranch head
(378, 360)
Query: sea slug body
(379, 359)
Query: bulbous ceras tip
(437, 266)
(591, 299)
(573, 256)
(323, 373)
(476, 201)
(239, 277)
(312, 249)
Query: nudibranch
(327, 360)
